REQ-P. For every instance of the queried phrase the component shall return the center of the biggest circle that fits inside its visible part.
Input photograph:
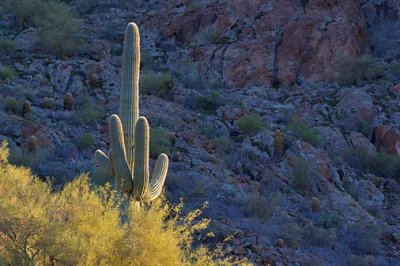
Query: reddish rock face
(245, 43)
(387, 138)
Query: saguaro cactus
(128, 158)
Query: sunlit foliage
(82, 225)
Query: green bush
(92, 114)
(6, 45)
(158, 84)
(207, 103)
(83, 6)
(298, 128)
(13, 105)
(159, 142)
(302, 174)
(59, 31)
(25, 11)
(362, 69)
(82, 225)
(20, 157)
(380, 163)
(86, 141)
(291, 233)
(320, 237)
(250, 124)
(7, 72)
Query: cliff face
(245, 43)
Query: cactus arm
(129, 97)
(103, 163)
(123, 177)
(158, 176)
(141, 172)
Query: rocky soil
(273, 63)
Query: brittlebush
(82, 225)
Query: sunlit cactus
(128, 159)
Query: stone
(359, 141)
(26, 40)
(239, 250)
(99, 49)
(388, 139)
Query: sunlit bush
(82, 225)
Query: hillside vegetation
(81, 225)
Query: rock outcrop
(245, 43)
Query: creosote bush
(250, 124)
(6, 45)
(299, 129)
(363, 69)
(157, 84)
(302, 174)
(59, 32)
(159, 142)
(207, 103)
(380, 163)
(82, 225)
(7, 72)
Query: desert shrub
(59, 31)
(367, 260)
(83, 6)
(20, 157)
(319, 236)
(303, 175)
(7, 72)
(257, 205)
(213, 35)
(86, 141)
(159, 142)
(92, 114)
(353, 235)
(207, 103)
(151, 62)
(189, 76)
(362, 69)
(6, 45)
(298, 128)
(13, 105)
(81, 225)
(25, 11)
(291, 233)
(380, 163)
(158, 84)
(250, 124)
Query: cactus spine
(128, 159)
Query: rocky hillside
(281, 114)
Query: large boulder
(387, 138)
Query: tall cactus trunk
(129, 96)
